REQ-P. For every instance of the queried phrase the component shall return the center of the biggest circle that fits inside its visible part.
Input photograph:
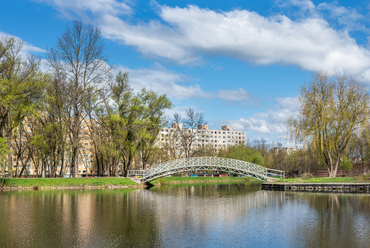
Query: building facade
(204, 137)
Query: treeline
(75, 112)
(303, 159)
(270, 155)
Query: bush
(365, 177)
(162, 181)
(345, 164)
(244, 153)
(306, 175)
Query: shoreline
(90, 187)
(35, 184)
(22, 184)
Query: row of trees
(45, 117)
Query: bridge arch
(226, 165)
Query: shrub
(306, 175)
(162, 181)
(345, 164)
(365, 177)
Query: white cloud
(73, 9)
(234, 95)
(348, 17)
(181, 111)
(178, 86)
(303, 4)
(27, 48)
(187, 34)
(271, 122)
(163, 81)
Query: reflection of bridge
(227, 165)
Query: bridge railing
(275, 173)
(206, 163)
(136, 173)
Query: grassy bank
(324, 180)
(197, 180)
(59, 182)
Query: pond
(238, 215)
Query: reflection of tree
(335, 220)
(76, 219)
(183, 216)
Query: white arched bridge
(194, 164)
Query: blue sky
(241, 63)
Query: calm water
(191, 216)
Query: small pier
(319, 187)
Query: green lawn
(55, 182)
(322, 180)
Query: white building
(205, 137)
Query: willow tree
(331, 111)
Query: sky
(240, 63)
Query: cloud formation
(178, 86)
(270, 122)
(186, 35)
(27, 48)
(163, 81)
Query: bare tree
(187, 129)
(78, 62)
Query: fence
(340, 173)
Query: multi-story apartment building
(205, 137)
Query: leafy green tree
(22, 88)
(129, 124)
(243, 153)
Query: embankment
(13, 184)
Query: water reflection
(187, 216)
